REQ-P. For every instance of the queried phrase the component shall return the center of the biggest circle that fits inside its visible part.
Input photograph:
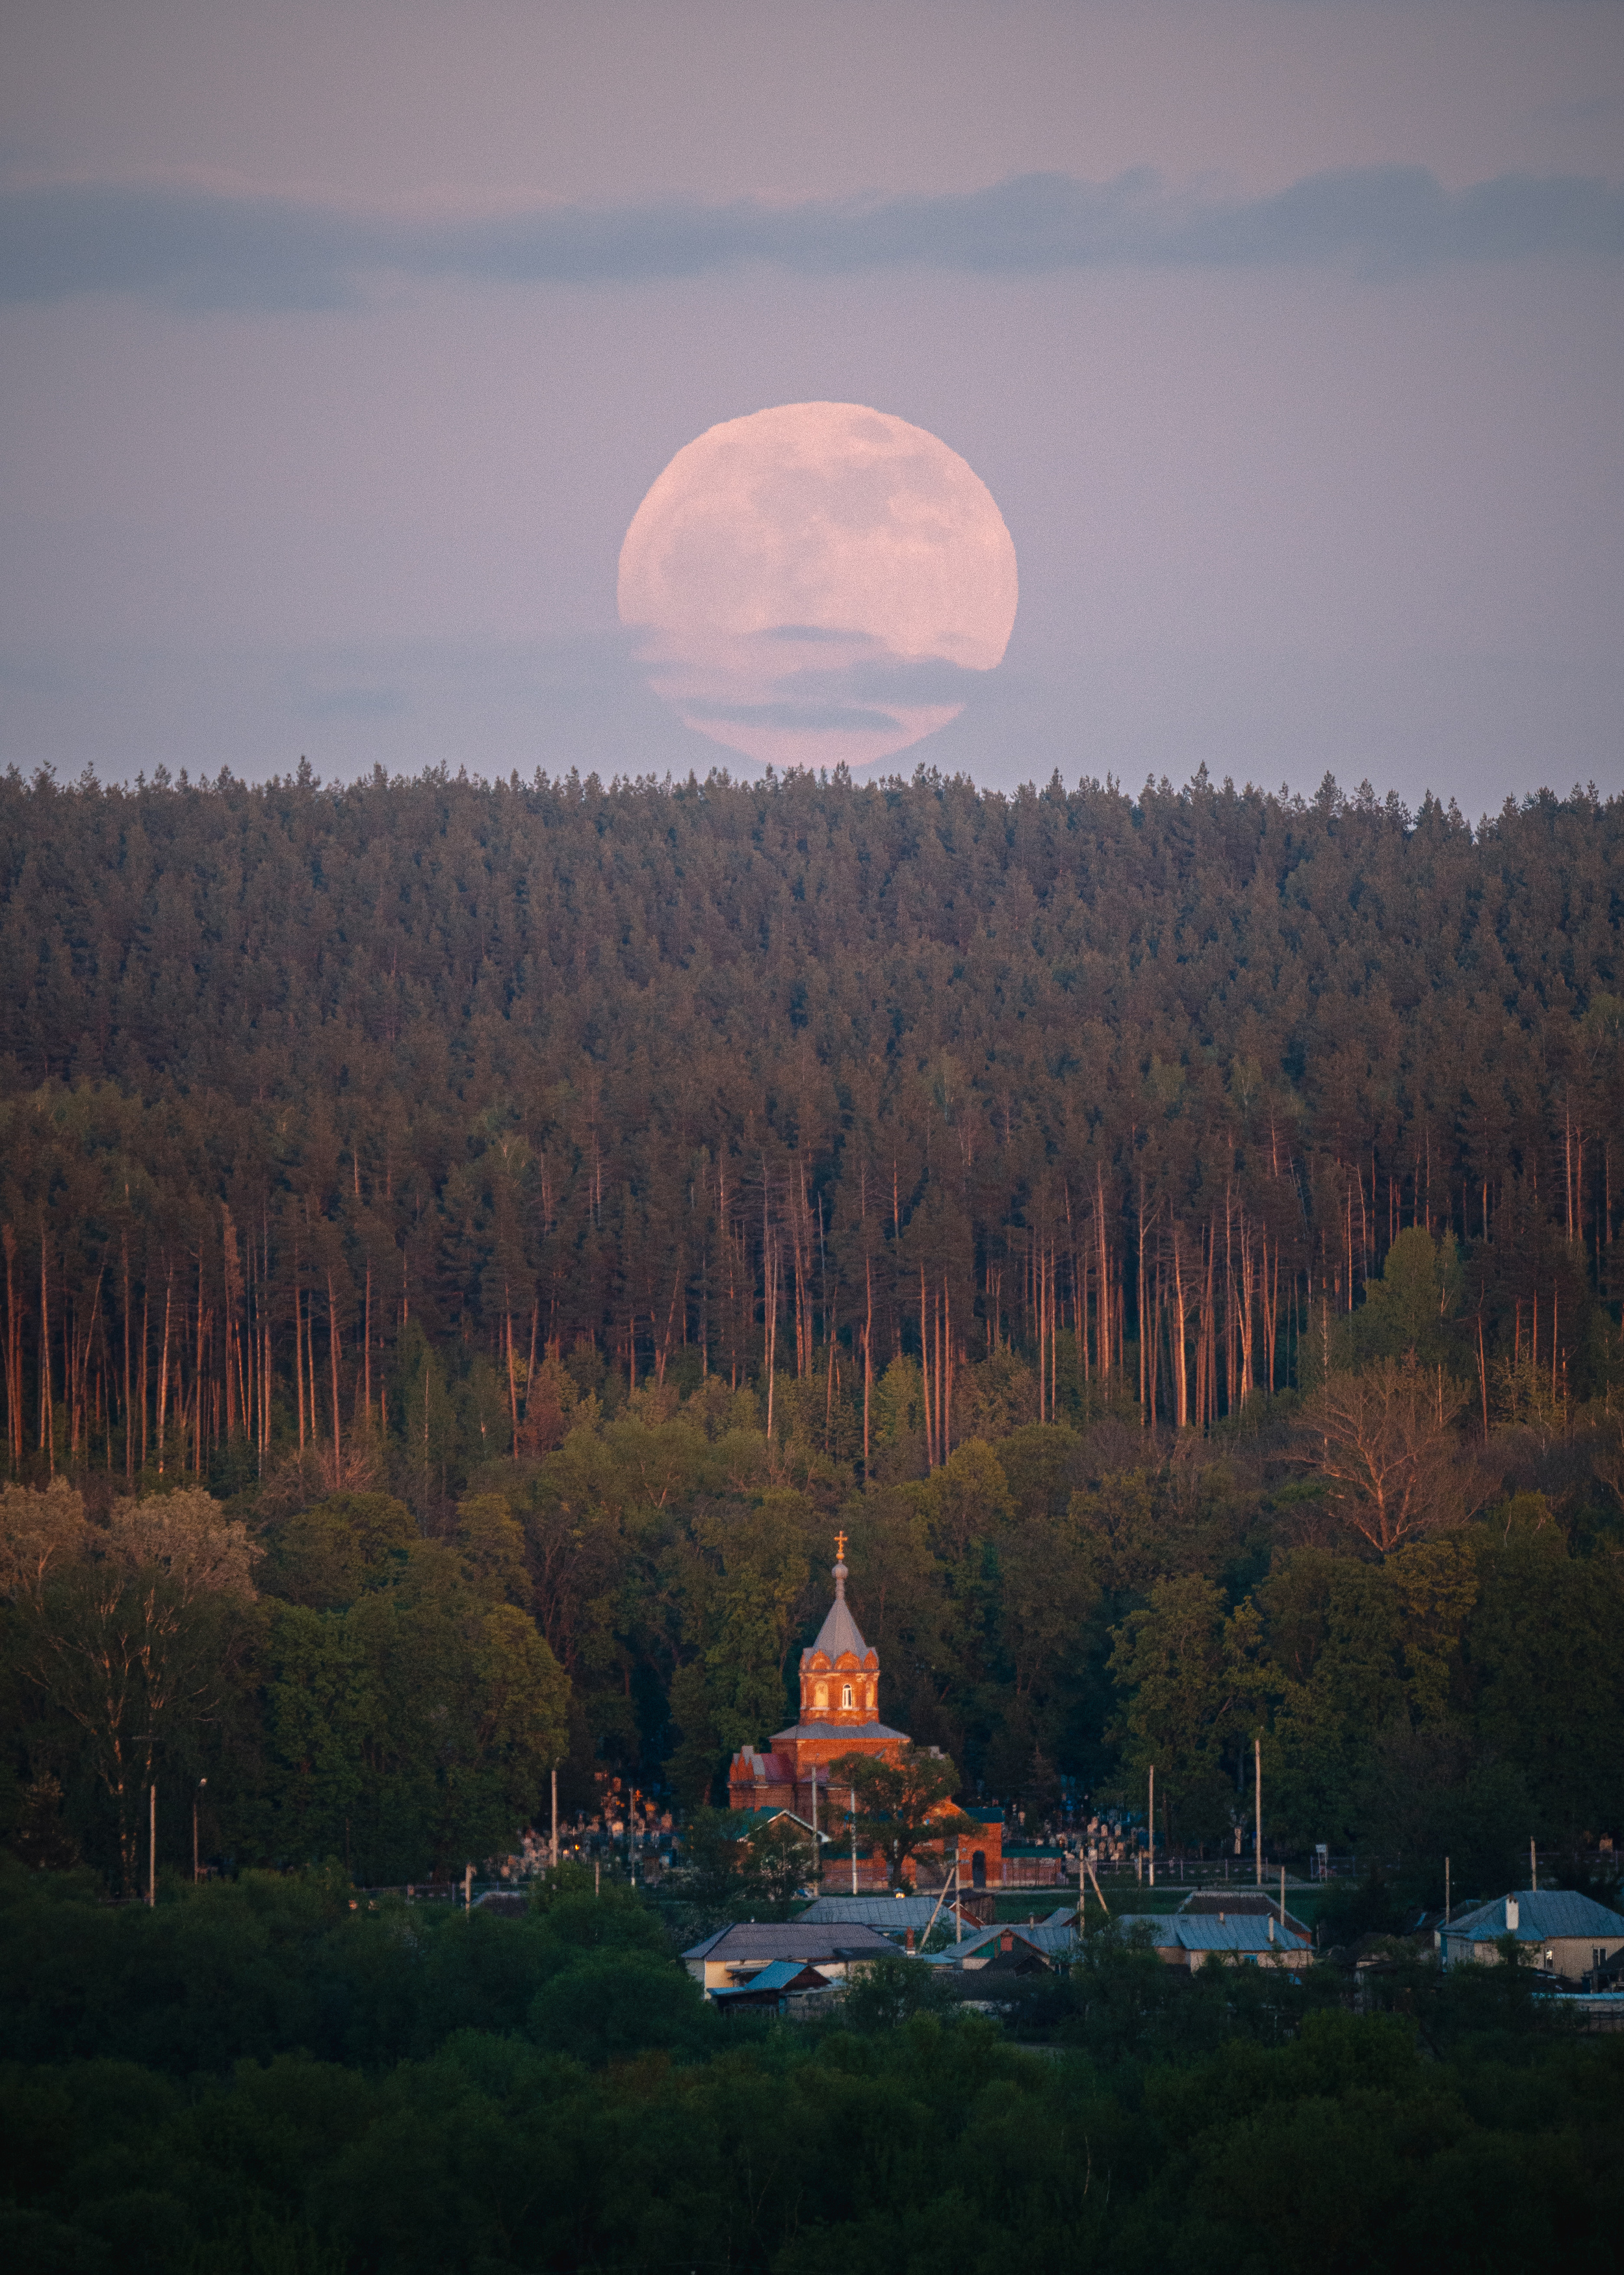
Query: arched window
(845, 1695)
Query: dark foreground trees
(257, 2078)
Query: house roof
(1238, 1903)
(1054, 1939)
(743, 1824)
(839, 1632)
(796, 1940)
(1544, 1914)
(1205, 1931)
(777, 1976)
(890, 1914)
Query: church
(839, 1714)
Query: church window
(823, 1694)
(845, 1695)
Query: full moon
(818, 584)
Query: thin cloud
(198, 248)
(805, 718)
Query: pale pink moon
(818, 584)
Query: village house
(1039, 1947)
(839, 1714)
(1243, 1903)
(1193, 1939)
(1564, 1934)
(735, 1955)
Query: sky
(339, 344)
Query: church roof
(839, 1632)
(853, 1730)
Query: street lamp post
(201, 1784)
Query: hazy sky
(339, 343)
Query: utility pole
(152, 1846)
(1151, 1848)
(1258, 1802)
(853, 1791)
(1533, 1868)
(1446, 1892)
(201, 1784)
(553, 1851)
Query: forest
(467, 1246)
(254, 2077)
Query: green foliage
(1409, 1307)
(257, 2077)
(896, 1808)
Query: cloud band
(197, 249)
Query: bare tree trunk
(48, 1428)
(332, 1353)
(164, 1364)
(868, 1357)
(925, 1368)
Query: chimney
(910, 1942)
(1271, 1927)
(1005, 1941)
(1514, 1916)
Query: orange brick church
(839, 1714)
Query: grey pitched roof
(891, 1915)
(839, 1632)
(770, 1939)
(1543, 1914)
(1205, 1931)
(1235, 1904)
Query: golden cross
(840, 1545)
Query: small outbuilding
(772, 1989)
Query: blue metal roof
(1205, 1931)
(1055, 1939)
(1544, 1915)
(778, 1976)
